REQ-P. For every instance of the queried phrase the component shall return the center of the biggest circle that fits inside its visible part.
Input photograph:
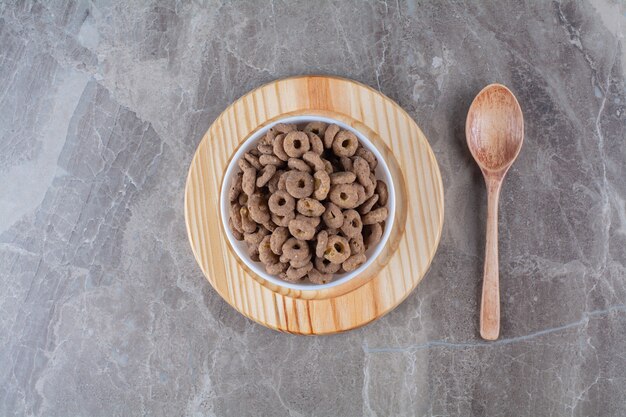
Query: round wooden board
(417, 228)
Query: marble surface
(103, 310)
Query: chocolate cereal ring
(376, 216)
(266, 174)
(295, 274)
(277, 268)
(299, 184)
(328, 167)
(294, 249)
(282, 185)
(362, 170)
(299, 165)
(272, 184)
(310, 207)
(300, 264)
(366, 207)
(314, 221)
(235, 187)
(321, 185)
(346, 163)
(325, 266)
(372, 234)
(314, 161)
(243, 199)
(360, 190)
(353, 262)
(247, 224)
(383, 193)
(329, 135)
(265, 252)
(236, 233)
(235, 216)
(316, 277)
(253, 160)
(265, 149)
(296, 144)
(248, 181)
(317, 145)
(281, 203)
(255, 237)
(345, 143)
(271, 160)
(257, 206)
(322, 242)
(278, 239)
(337, 249)
(278, 149)
(317, 128)
(352, 224)
(357, 245)
(333, 217)
(283, 220)
(368, 156)
(345, 177)
(301, 229)
(344, 195)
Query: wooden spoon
(495, 132)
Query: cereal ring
(383, 193)
(314, 221)
(265, 149)
(281, 203)
(294, 249)
(255, 237)
(269, 225)
(243, 199)
(316, 277)
(236, 233)
(270, 160)
(267, 173)
(368, 156)
(278, 149)
(299, 165)
(337, 249)
(257, 206)
(360, 190)
(321, 185)
(317, 128)
(357, 245)
(322, 242)
(277, 268)
(372, 234)
(362, 170)
(352, 224)
(282, 181)
(235, 215)
(345, 143)
(344, 195)
(248, 181)
(376, 216)
(283, 275)
(353, 262)
(299, 184)
(283, 220)
(300, 264)
(345, 177)
(252, 160)
(317, 145)
(333, 217)
(235, 187)
(244, 165)
(253, 252)
(301, 229)
(346, 163)
(272, 184)
(366, 207)
(314, 161)
(276, 130)
(328, 167)
(325, 266)
(295, 274)
(247, 224)
(329, 135)
(296, 144)
(265, 252)
(310, 207)
(278, 239)
(371, 187)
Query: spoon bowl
(495, 128)
(495, 132)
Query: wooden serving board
(414, 237)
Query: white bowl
(382, 172)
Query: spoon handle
(490, 303)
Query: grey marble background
(103, 310)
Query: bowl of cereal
(307, 202)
